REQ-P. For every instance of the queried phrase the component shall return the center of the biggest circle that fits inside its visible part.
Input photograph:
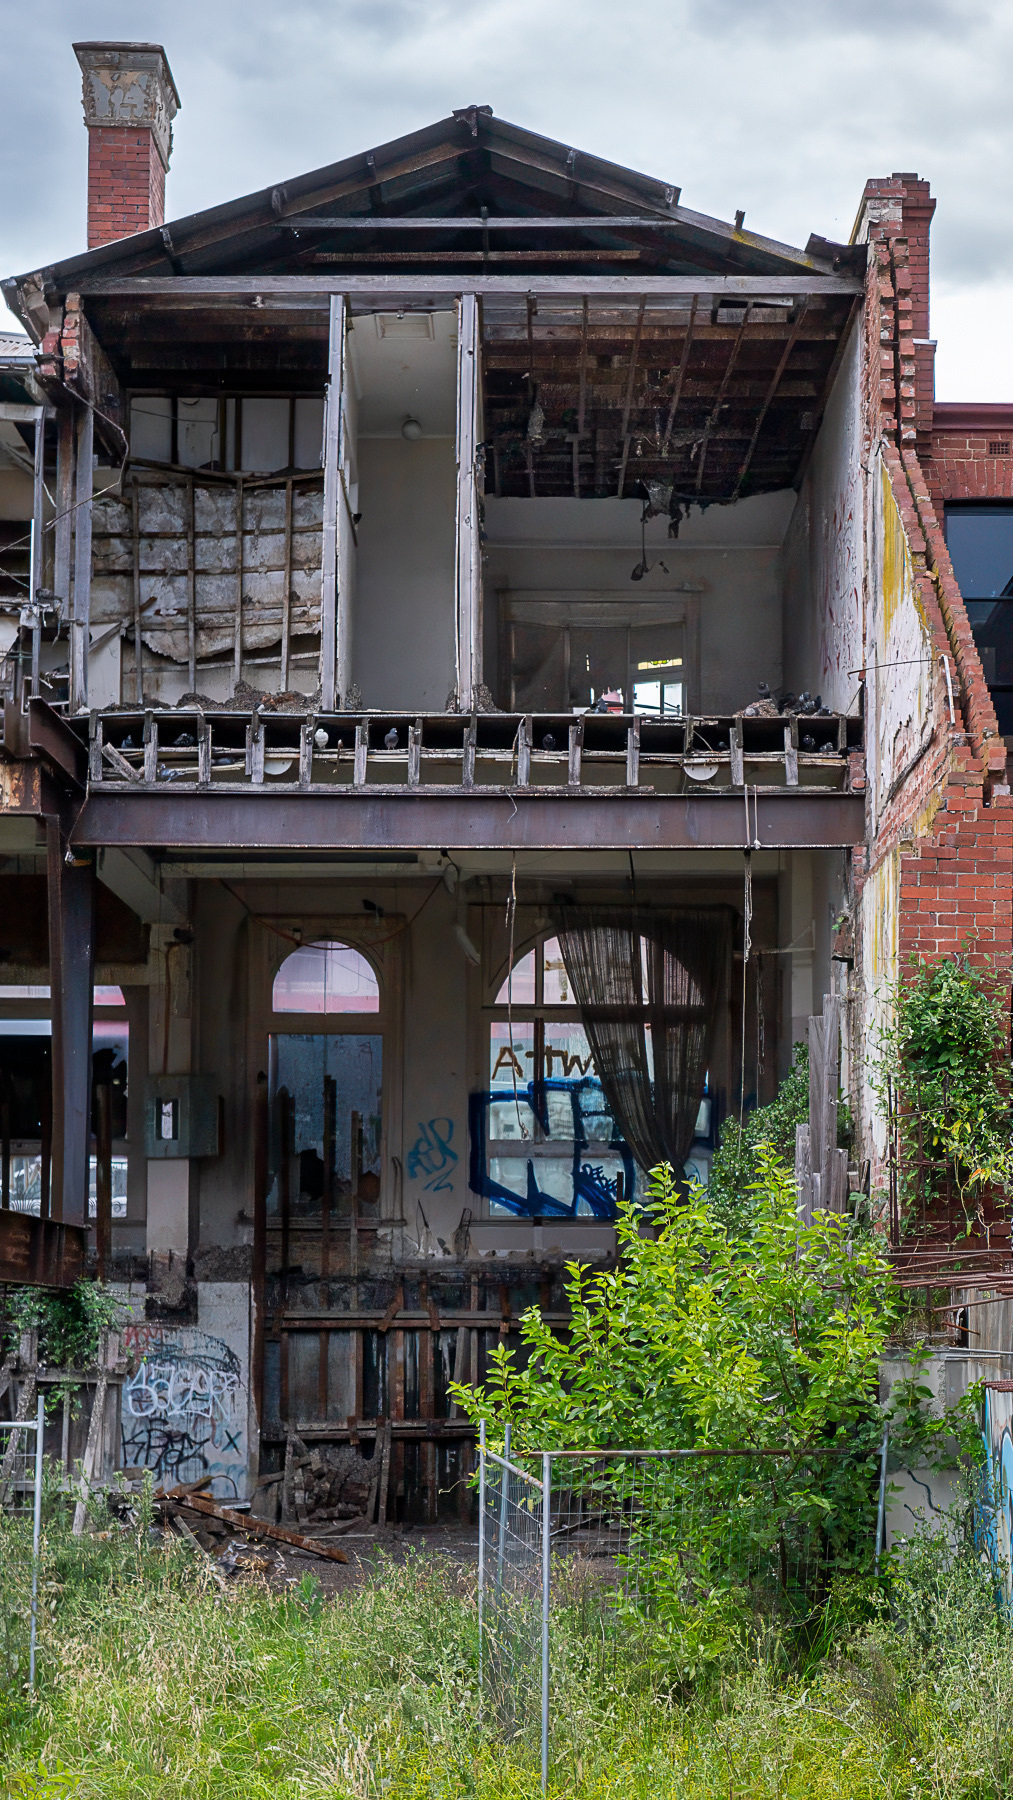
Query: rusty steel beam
(40, 1252)
(376, 818)
(50, 737)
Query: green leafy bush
(945, 1055)
(70, 1325)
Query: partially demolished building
(488, 664)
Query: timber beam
(246, 290)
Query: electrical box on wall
(182, 1116)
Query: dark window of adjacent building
(980, 542)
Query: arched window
(325, 978)
(551, 1145)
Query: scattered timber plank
(213, 1570)
(260, 1527)
(91, 1452)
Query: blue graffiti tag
(431, 1156)
(592, 1192)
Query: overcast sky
(782, 107)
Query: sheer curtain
(648, 984)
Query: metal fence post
(546, 1550)
(504, 1496)
(40, 1420)
(481, 1556)
(881, 1509)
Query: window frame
(538, 1148)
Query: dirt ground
(282, 1566)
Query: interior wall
(824, 555)
(724, 567)
(403, 656)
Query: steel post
(40, 1420)
(546, 1554)
(881, 1509)
(481, 1555)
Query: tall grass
(155, 1685)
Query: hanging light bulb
(411, 429)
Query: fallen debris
(245, 1522)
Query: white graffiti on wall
(184, 1391)
(184, 1407)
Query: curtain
(648, 984)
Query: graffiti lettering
(184, 1407)
(431, 1157)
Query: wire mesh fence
(21, 1447)
(590, 1547)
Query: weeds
(156, 1686)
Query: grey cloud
(781, 107)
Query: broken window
(980, 541)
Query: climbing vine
(944, 1072)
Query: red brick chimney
(130, 101)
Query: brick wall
(949, 823)
(126, 183)
(969, 455)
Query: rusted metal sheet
(377, 818)
(26, 790)
(40, 1252)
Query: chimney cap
(129, 84)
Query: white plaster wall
(823, 554)
(403, 653)
(724, 565)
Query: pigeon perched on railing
(391, 739)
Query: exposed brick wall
(966, 458)
(950, 820)
(126, 183)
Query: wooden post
(45, 1149)
(284, 1183)
(103, 1176)
(261, 1124)
(135, 524)
(286, 592)
(327, 1196)
(71, 952)
(191, 583)
(80, 638)
(63, 528)
(469, 567)
(240, 558)
(37, 558)
(331, 583)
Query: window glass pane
(102, 996)
(326, 978)
(980, 542)
(522, 988)
(659, 699)
(991, 622)
(511, 1053)
(119, 1172)
(556, 990)
(567, 1051)
(304, 1066)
